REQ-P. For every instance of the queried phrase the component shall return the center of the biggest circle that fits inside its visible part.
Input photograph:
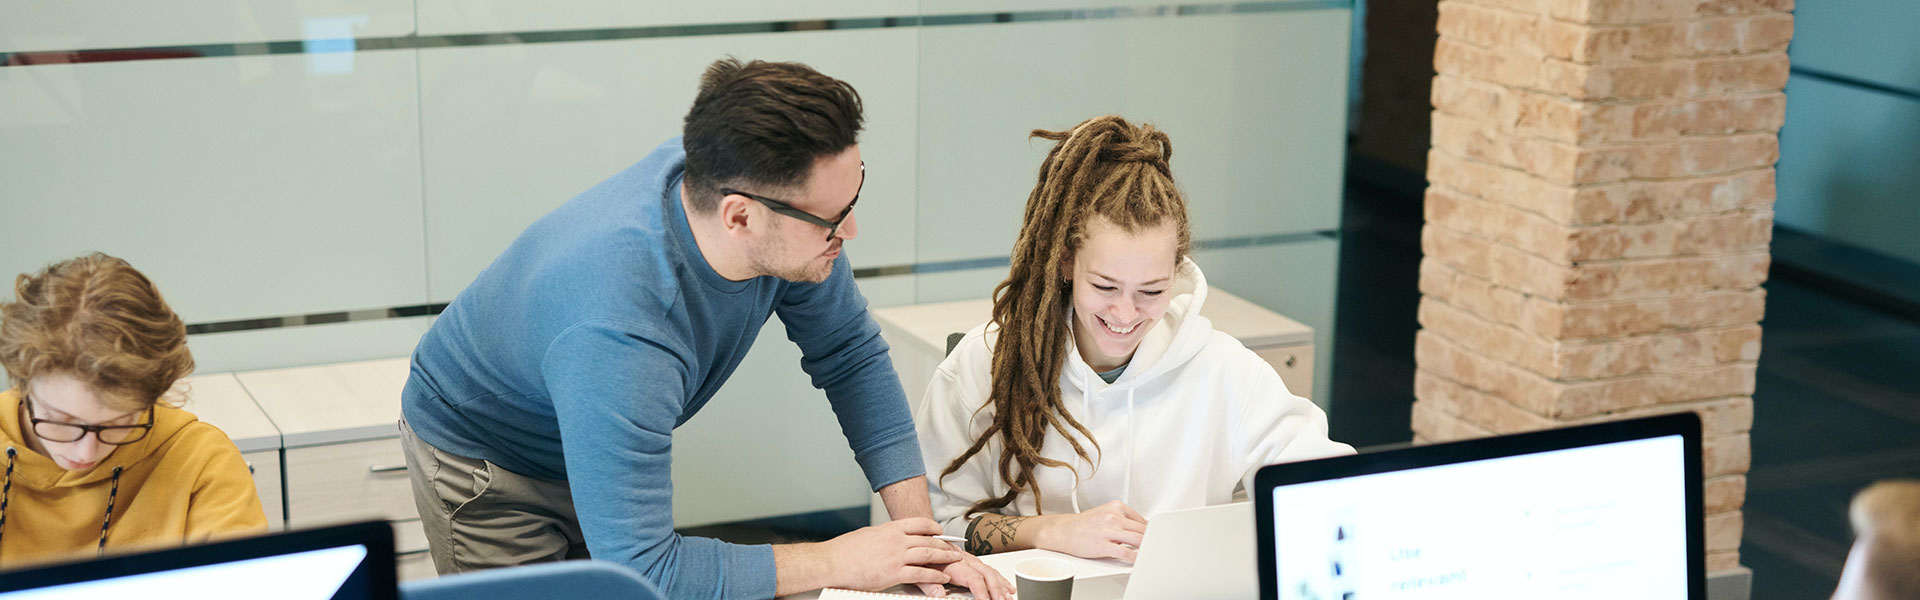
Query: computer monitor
(346, 562)
(1599, 511)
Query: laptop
(1196, 554)
(1600, 511)
(346, 562)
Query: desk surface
(1093, 579)
(220, 400)
(327, 404)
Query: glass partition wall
(310, 181)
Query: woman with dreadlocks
(95, 459)
(1098, 395)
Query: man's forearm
(907, 498)
(800, 567)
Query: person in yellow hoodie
(97, 458)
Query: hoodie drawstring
(108, 522)
(1086, 412)
(6, 491)
(1126, 491)
(1086, 408)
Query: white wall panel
(1254, 105)
(512, 131)
(438, 17)
(244, 186)
(768, 444)
(39, 25)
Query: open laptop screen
(351, 562)
(1607, 511)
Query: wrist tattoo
(991, 533)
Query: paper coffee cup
(1043, 579)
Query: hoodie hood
(1175, 338)
(37, 471)
(1194, 416)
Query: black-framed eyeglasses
(113, 435)
(833, 226)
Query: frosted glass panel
(1254, 105)
(1847, 169)
(721, 466)
(439, 17)
(882, 292)
(946, 7)
(959, 285)
(245, 186)
(309, 345)
(1298, 280)
(61, 25)
(513, 131)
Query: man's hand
(881, 556)
(980, 579)
(1111, 530)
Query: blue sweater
(600, 330)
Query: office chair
(570, 579)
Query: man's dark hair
(763, 124)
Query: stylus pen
(953, 539)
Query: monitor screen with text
(1602, 521)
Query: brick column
(1598, 212)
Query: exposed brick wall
(1599, 206)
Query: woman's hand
(1111, 530)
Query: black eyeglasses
(833, 226)
(114, 435)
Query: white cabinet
(339, 423)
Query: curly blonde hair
(98, 320)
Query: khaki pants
(480, 516)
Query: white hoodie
(1191, 419)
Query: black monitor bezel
(1686, 425)
(377, 536)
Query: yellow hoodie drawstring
(6, 491)
(111, 496)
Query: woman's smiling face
(1121, 283)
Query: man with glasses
(540, 411)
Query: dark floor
(1836, 407)
(1837, 404)
(1374, 317)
